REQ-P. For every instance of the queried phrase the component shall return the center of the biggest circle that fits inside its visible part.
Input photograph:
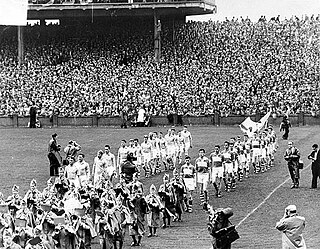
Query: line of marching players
(78, 205)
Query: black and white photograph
(159, 124)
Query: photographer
(219, 225)
(292, 156)
(292, 226)
(72, 149)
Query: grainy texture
(23, 156)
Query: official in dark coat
(292, 156)
(54, 156)
(315, 165)
(285, 126)
(33, 116)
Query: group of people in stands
(232, 67)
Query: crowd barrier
(101, 121)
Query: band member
(202, 165)
(217, 169)
(71, 172)
(98, 168)
(33, 196)
(188, 174)
(166, 195)
(154, 208)
(179, 192)
(138, 210)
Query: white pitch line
(265, 199)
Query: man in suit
(292, 156)
(315, 166)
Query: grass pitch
(23, 156)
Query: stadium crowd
(234, 67)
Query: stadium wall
(97, 121)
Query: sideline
(265, 199)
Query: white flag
(13, 12)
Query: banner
(249, 127)
(13, 12)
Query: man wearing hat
(292, 226)
(54, 155)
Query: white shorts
(139, 160)
(186, 148)
(256, 153)
(190, 183)
(110, 170)
(171, 151)
(181, 148)
(163, 152)
(264, 153)
(236, 166)
(146, 157)
(229, 168)
(217, 172)
(155, 154)
(204, 179)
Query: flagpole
(20, 46)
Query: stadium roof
(184, 8)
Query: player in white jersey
(163, 151)
(202, 164)
(235, 160)
(110, 159)
(122, 155)
(228, 159)
(273, 144)
(83, 170)
(138, 154)
(155, 152)
(170, 140)
(176, 146)
(263, 155)
(217, 169)
(188, 174)
(181, 146)
(247, 152)
(256, 153)
(187, 139)
(146, 155)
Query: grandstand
(91, 65)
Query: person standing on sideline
(292, 226)
(285, 126)
(292, 156)
(315, 165)
(33, 115)
(54, 156)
